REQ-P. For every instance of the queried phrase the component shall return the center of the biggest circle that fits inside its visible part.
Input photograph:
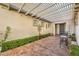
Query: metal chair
(63, 39)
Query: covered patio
(30, 21)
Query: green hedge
(19, 42)
(74, 50)
(45, 35)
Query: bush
(73, 37)
(19, 42)
(45, 35)
(1, 41)
(74, 50)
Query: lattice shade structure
(52, 12)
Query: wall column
(77, 28)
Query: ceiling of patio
(53, 12)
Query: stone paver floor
(45, 47)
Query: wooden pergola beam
(33, 9)
(21, 7)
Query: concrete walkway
(45, 47)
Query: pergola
(52, 12)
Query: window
(35, 22)
(49, 25)
(46, 25)
(42, 23)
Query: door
(62, 28)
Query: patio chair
(64, 39)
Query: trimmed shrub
(19, 42)
(45, 35)
(73, 37)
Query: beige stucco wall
(21, 25)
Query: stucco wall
(21, 25)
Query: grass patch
(74, 50)
(19, 42)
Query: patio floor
(45, 47)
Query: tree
(8, 29)
(39, 30)
(39, 24)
